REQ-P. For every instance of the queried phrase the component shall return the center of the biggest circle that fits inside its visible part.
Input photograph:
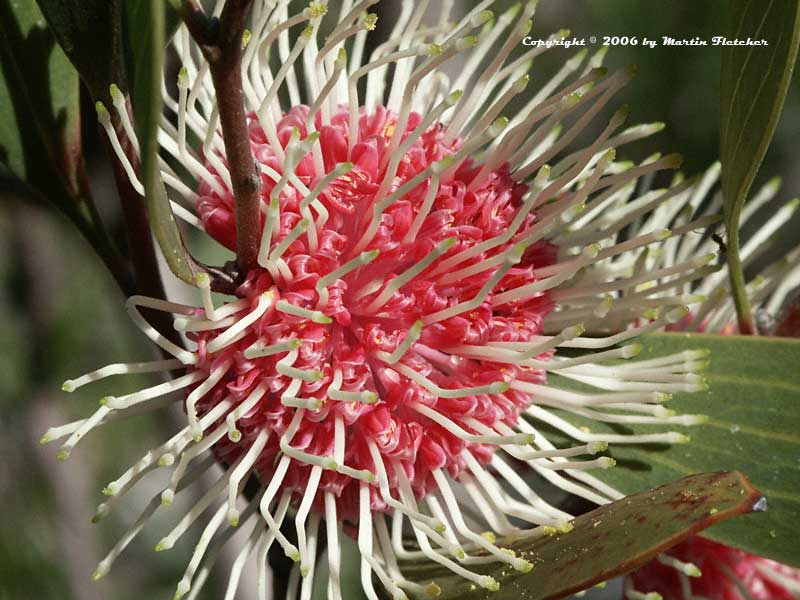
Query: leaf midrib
(740, 77)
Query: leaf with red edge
(753, 405)
(606, 542)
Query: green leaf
(40, 137)
(609, 541)
(145, 27)
(39, 103)
(89, 32)
(754, 82)
(753, 402)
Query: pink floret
(357, 332)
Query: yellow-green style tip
(102, 112)
(315, 10)
(524, 566)
(500, 386)
(370, 21)
(100, 572)
(115, 93)
(692, 570)
(233, 517)
(596, 447)
(490, 583)
(432, 590)
(183, 589)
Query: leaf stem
(741, 301)
(157, 207)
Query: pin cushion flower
(380, 369)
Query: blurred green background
(62, 315)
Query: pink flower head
(700, 567)
(370, 308)
(423, 262)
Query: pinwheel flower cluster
(424, 264)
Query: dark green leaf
(753, 402)
(40, 138)
(145, 25)
(609, 541)
(753, 85)
(39, 109)
(89, 32)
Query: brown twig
(221, 44)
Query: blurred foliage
(678, 85)
(70, 321)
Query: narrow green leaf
(609, 541)
(40, 137)
(145, 39)
(89, 32)
(753, 402)
(39, 110)
(754, 82)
